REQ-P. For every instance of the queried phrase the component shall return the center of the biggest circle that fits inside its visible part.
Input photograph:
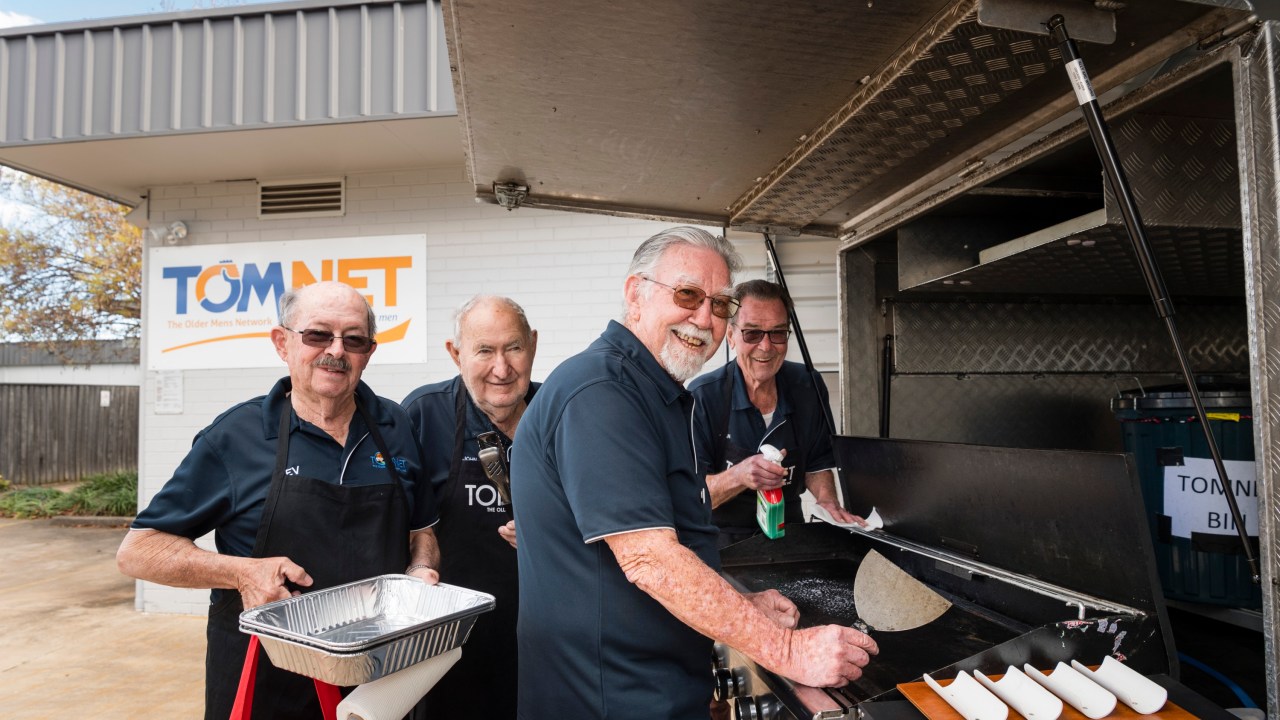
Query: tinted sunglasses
(359, 344)
(777, 337)
(690, 298)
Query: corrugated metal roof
(193, 72)
(118, 106)
(97, 352)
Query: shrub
(110, 494)
(106, 494)
(33, 502)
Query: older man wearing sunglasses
(318, 483)
(759, 399)
(620, 597)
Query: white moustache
(689, 332)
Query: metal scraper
(889, 599)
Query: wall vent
(295, 198)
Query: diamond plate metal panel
(1068, 412)
(1009, 338)
(1194, 261)
(1182, 171)
(1000, 164)
(1257, 78)
(952, 72)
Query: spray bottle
(770, 509)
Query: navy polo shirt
(222, 483)
(806, 438)
(605, 448)
(433, 411)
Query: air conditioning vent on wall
(312, 198)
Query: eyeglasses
(690, 298)
(359, 344)
(777, 337)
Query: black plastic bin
(1197, 548)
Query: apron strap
(379, 442)
(273, 494)
(459, 429)
(720, 436)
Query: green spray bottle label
(770, 508)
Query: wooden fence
(59, 433)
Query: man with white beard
(620, 597)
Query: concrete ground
(71, 644)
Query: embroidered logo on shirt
(380, 463)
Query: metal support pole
(1146, 257)
(804, 349)
(886, 378)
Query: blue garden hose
(1245, 700)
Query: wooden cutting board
(932, 706)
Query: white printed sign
(213, 306)
(1194, 500)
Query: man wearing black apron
(466, 425)
(316, 484)
(756, 400)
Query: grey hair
(649, 254)
(289, 307)
(525, 328)
(763, 290)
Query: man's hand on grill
(775, 606)
(828, 656)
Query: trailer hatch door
(805, 116)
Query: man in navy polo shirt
(757, 399)
(493, 346)
(316, 484)
(619, 592)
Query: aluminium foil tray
(358, 632)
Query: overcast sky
(32, 12)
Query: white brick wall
(566, 270)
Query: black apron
(736, 516)
(473, 555)
(338, 534)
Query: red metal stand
(243, 708)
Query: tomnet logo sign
(213, 306)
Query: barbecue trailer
(1024, 284)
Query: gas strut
(1146, 258)
(804, 349)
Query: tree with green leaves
(70, 265)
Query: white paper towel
(873, 520)
(393, 696)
